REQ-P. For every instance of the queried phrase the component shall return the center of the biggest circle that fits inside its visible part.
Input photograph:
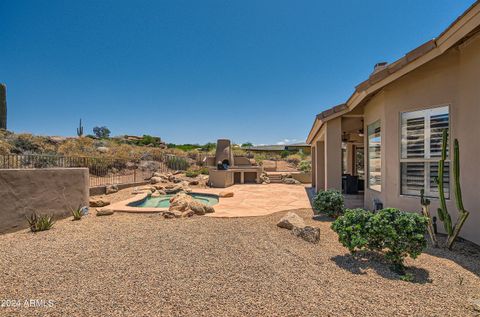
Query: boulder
(290, 181)
(158, 187)
(111, 189)
(226, 194)
(104, 212)
(103, 149)
(180, 202)
(178, 214)
(98, 202)
(193, 182)
(158, 179)
(200, 209)
(290, 221)
(155, 194)
(307, 233)
(161, 192)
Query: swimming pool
(164, 201)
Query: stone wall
(47, 191)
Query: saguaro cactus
(80, 129)
(3, 106)
(443, 215)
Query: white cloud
(286, 141)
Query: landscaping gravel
(145, 265)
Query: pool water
(164, 201)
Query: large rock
(290, 181)
(309, 234)
(180, 202)
(290, 221)
(226, 194)
(104, 212)
(98, 202)
(193, 182)
(158, 179)
(178, 214)
(183, 202)
(111, 189)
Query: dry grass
(144, 265)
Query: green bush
(305, 166)
(204, 171)
(329, 202)
(40, 222)
(192, 173)
(396, 233)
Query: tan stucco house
(386, 137)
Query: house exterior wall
(451, 79)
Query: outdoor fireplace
(226, 169)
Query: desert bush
(305, 166)
(26, 143)
(204, 171)
(40, 222)
(177, 163)
(5, 148)
(284, 153)
(329, 202)
(396, 233)
(294, 159)
(192, 173)
(78, 147)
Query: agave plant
(40, 222)
(78, 212)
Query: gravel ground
(144, 265)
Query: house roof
(462, 27)
(277, 147)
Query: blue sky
(194, 71)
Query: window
(421, 146)
(374, 156)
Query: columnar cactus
(3, 106)
(80, 129)
(443, 215)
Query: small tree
(247, 144)
(101, 132)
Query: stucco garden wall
(47, 191)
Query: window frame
(424, 160)
(367, 157)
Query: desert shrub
(294, 159)
(177, 163)
(5, 148)
(40, 222)
(284, 153)
(204, 171)
(305, 166)
(25, 143)
(396, 233)
(192, 173)
(329, 202)
(78, 147)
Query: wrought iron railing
(103, 171)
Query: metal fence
(103, 171)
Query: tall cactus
(443, 215)
(3, 106)
(80, 129)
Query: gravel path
(144, 265)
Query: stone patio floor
(258, 200)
